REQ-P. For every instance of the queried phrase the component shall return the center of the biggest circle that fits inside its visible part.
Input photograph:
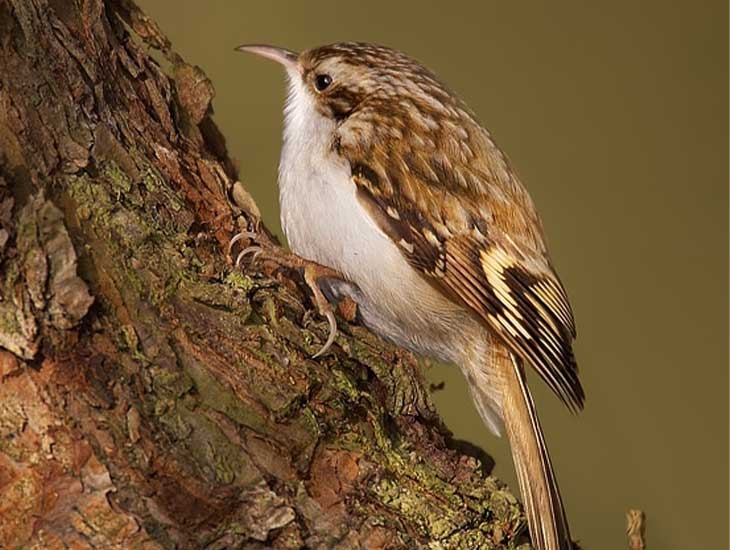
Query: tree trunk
(151, 395)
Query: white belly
(324, 222)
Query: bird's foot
(313, 272)
(258, 242)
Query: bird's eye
(322, 82)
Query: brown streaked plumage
(456, 184)
(400, 165)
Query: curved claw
(250, 235)
(255, 250)
(333, 333)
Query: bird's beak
(286, 57)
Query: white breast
(324, 222)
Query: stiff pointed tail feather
(543, 505)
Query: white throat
(305, 128)
(314, 182)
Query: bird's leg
(313, 272)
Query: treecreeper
(396, 197)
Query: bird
(395, 196)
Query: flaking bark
(152, 396)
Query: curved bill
(286, 57)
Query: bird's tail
(543, 505)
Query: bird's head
(343, 79)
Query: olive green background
(615, 115)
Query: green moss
(215, 396)
(436, 522)
(119, 180)
(129, 338)
(237, 279)
(169, 383)
(156, 184)
(151, 180)
(220, 460)
(268, 310)
(94, 204)
(345, 385)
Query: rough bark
(152, 396)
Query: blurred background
(615, 114)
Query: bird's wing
(481, 245)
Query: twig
(635, 529)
